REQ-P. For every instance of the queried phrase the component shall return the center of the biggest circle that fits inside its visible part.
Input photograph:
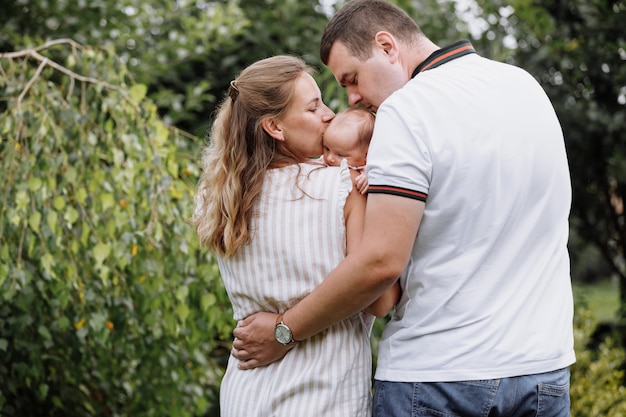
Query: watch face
(282, 334)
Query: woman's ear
(273, 128)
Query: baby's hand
(360, 182)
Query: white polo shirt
(487, 292)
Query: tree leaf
(34, 221)
(58, 203)
(137, 92)
(107, 200)
(101, 252)
(52, 219)
(47, 261)
(34, 183)
(22, 199)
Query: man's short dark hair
(358, 21)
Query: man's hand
(254, 343)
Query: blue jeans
(539, 395)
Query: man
(470, 152)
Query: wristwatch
(282, 333)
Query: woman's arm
(354, 214)
(386, 302)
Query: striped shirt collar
(445, 54)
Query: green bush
(597, 382)
(108, 307)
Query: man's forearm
(350, 288)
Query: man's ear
(387, 43)
(273, 128)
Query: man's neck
(446, 54)
(418, 53)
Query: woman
(279, 222)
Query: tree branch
(33, 53)
(30, 82)
(47, 45)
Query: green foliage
(438, 19)
(597, 381)
(162, 42)
(185, 52)
(108, 305)
(601, 297)
(289, 27)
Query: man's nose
(354, 97)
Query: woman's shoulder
(313, 166)
(310, 175)
(315, 169)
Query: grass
(602, 298)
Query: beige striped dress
(298, 239)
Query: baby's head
(348, 137)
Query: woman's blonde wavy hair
(240, 151)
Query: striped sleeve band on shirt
(402, 192)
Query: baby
(348, 137)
